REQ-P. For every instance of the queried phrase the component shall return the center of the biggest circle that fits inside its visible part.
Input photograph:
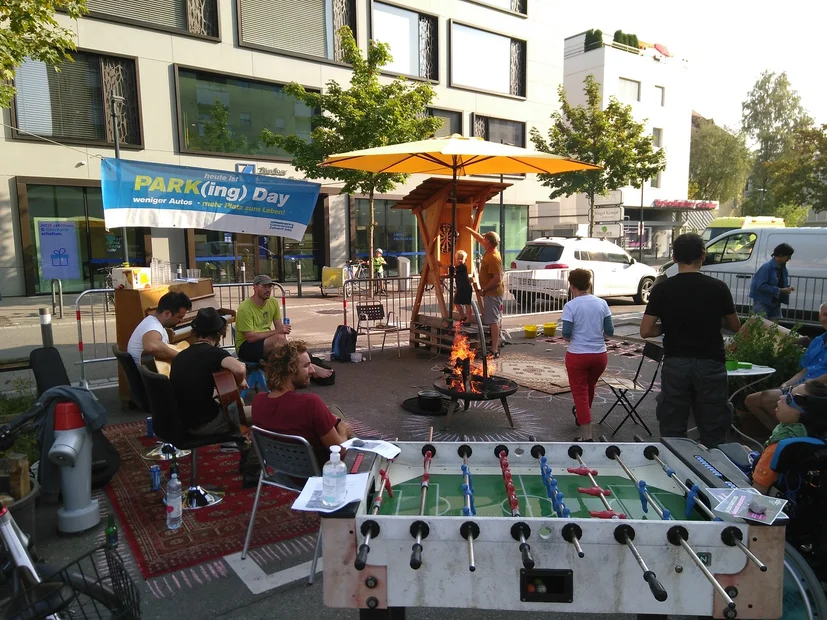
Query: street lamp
(761, 206)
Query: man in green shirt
(259, 327)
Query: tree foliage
(799, 175)
(218, 136)
(368, 114)
(28, 29)
(719, 163)
(609, 137)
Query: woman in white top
(586, 321)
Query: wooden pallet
(431, 333)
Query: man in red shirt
(284, 410)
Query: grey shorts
(219, 426)
(491, 312)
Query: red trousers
(584, 369)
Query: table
(757, 374)
(529, 526)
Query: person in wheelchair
(801, 411)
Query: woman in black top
(462, 297)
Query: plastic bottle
(334, 479)
(111, 532)
(174, 510)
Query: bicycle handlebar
(9, 431)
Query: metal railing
(94, 309)
(804, 302)
(535, 291)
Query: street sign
(608, 214)
(608, 231)
(612, 199)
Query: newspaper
(310, 499)
(385, 449)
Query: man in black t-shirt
(192, 381)
(692, 308)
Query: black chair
(621, 387)
(137, 392)
(372, 319)
(166, 420)
(48, 369)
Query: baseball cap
(264, 280)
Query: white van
(736, 255)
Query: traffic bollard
(46, 327)
(299, 276)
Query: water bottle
(334, 479)
(174, 511)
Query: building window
(515, 235)
(515, 6)
(451, 122)
(657, 137)
(486, 61)
(221, 114)
(628, 90)
(198, 17)
(660, 95)
(655, 183)
(73, 104)
(413, 38)
(499, 130)
(306, 28)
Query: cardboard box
(132, 277)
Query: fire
(461, 351)
(465, 365)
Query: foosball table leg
(391, 613)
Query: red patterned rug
(207, 533)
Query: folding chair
(621, 387)
(48, 368)
(371, 314)
(283, 458)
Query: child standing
(379, 269)
(462, 295)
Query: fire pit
(468, 379)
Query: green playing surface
(445, 497)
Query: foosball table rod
(625, 534)
(370, 529)
(469, 531)
(613, 452)
(572, 533)
(520, 531)
(678, 536)
(420, 529)
(576, 452)
(652, 453)
(732, 537)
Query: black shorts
(463, 296)
(252, 352)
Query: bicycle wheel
(803, 595)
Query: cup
(731, 365)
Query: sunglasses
(791, 402)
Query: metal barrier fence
(804, 303)
(524, 294)
(95, 308)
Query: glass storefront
(397, 233)
(69, 241)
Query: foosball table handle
(525, 551)
(416, 556)
(362, 557)
(655, 586)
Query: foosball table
(600, 528)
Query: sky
(728, 43)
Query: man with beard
(285, 410)
(150, 337)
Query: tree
(219, 138)
(28, 29)
(366, 115)
(771, 114)
(610, 138)
(799, 175)
(719, 163)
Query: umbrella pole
(453, 240)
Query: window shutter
(286, 24)
(168, 13)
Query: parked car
(735, 256)
(541, 270)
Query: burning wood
(467, 373)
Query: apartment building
(654, 82)
(196, 81)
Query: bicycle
(109, 298)
(355, 270)
(95, 585)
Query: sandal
(574, 413)
(582, 440)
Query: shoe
(581, 440)
(249, 481)
(496, 355)
(574, 413)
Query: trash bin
(404, 273)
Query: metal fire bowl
(497, 387)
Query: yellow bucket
(549, 329)
(530, 331)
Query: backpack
(344, 343)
